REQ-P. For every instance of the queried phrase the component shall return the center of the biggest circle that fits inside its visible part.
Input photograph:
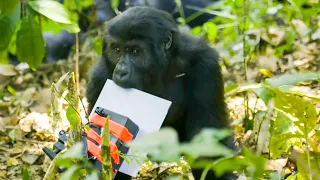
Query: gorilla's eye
(135, 51)
(116, 49)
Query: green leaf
(72, 117)
(12, 135)
(93, 176)
(161, 145)
(196, 30)
(97, 45)
(292, 79)
(71, 174)
(71, 155)
(7, 7)
(114, 4)
(52, 10)
(302, 163)
(25, 174)
(72, 5)
(71, 28)
(30, 43)
(8, 25)
(62, 78)
(212, 30)
(256, 164)
(206, 144)
(230, 88)
(282, 143)
(265, 94)
(303, 112)
(283, 136)
(11, 90)
(75, 152)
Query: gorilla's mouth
(124, 83)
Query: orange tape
(96, 151)
(115, 129)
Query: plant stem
(76, 65)
(245, 63)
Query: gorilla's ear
(168, 41)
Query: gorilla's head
(139, 44)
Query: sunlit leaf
(71, 28)
(265, 94)
(72, 117)
(7, 7)
(292, 79)
(266, 72)
(8, 25)
(207, 144)
(75, 152)
(62, 78)
(283, 136)
(196, 30)
(161, 146)
(302, 163)
(30, 43)
(211, 30)
(230, 88)
(93, 176)
(71, 174)
(52, 10)
(11, 90)
(303, 112)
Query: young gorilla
(144, 50)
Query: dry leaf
(12, 162)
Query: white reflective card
(146, 110)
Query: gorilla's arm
(99, 75)
(205, 98)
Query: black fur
(177, 67)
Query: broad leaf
(52, 10)
(30, 43)
(7, 7)
(8, 25)
(206, 144)
(71, 174)
(292, 79)
(304, 170)
(72, 117)
(303, 113)
(161, 146)
(211, 30)
(93, 176)
(75, 152)
(280, 144)
(265, 94)
(71, 155)
(282, 139)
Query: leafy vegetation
(269, 55)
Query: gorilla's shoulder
(196, 49)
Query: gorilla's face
(135, 64)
